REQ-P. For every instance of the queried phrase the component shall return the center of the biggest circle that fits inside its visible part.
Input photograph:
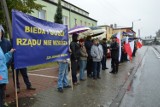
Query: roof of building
(49, 1)
(75, 6)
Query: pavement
(90, 93)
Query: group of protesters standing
(90, 55)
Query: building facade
(72, 15)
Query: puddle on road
(136, 80)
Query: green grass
(42, 66)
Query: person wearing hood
(97, 55)
(4, 58)
(75, 56)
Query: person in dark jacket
(88, 45)
(104, 46)
(114, 55)
(75, 56)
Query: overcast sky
(123, 12)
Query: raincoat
(4, 58)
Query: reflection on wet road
(144, 90)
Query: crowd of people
(86, 54)
(90, 55)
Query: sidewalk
(90, 93)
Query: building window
(65, 20)
(75, 21)
(85, 23)
(81, 22)
(92, 25)
(89, 24)
(42, 14)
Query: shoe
(82, 79)
(103, 69)
(112, 72)
(76, 83)
(99, 77)
(94, 78)
(31, 88)
(68, 86)
(106, 68)
(60, 90)
(89, 76)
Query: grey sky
(123, 12)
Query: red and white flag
(139, 43)
(119, 42)
(129, 47)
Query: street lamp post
(135, 21)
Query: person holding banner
(62, 76)
(75, 56)
(4, 58)
(114, 55)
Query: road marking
(156, 53)
(43, 69)
(45, 76)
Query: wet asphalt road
(144, 90)
(90, 93)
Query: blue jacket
(4, 58)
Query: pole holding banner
(71, 75)
(15, 85)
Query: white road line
(43, 69)
(45, 76)
(156, 53)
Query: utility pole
(139, 33)
(8, 20)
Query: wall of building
(70, 16)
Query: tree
(26, 6)
(58, 15)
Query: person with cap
(75, 56)
(104, 45)
(114, 47)
(97, 55)
(83, 59)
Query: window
(65, 20)
(85, 23)
(92, 25)
(81, 22)
(42, 14)
(75, 22)
(88, 24)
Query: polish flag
(139, 43)
(1, 77)
(129, 46)
(119, 42)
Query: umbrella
(96, 31)
(78, 29)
